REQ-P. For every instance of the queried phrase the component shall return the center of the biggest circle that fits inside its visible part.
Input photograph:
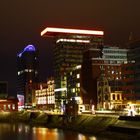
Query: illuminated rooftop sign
(29, 48)
(51, 31)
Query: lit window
(13, 106)
(78, 84)
(9, 106)
(4, 107)
(26, 70)
(78, 76)
(73, 90)
(18, 72)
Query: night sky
(21, 22)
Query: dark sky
(21, 22)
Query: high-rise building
(105, 65)
(114, 55)
(68, 53)
(131, 72)
(27, 72)
(73, 84)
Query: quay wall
(102, 125)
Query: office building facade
(68, 53)
(44, 95)
(73, 84)
(100, 64)
(131, 72)
(27, 73)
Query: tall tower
(68, 53)
(27, 72)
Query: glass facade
(67, 55)
(27, 72)
(134, 57)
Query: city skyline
(21, 23)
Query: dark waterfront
(25, 132)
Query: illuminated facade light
(78, 76)
(28, 48)
(78, 84)
(71, 31)
(73, 90)
(60, 89)
(73, 40)
(78, 67)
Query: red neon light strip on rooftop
(72, 31)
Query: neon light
(72, 40)
(29, 48)
(71, 31)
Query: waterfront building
(128, 81)
(99, 64)
(27, 73)
(44, 95)
(114, 55)
(104, 63)
(50, 94)
(10, 104)
(89, 74)
(40, 99)
(68, 53)
(131, 74)
(103, 93)
(108, 99)
(73, 84)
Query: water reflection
(43, 133)
(26, 132)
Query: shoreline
(85, 124)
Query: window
(106, 97)
(78, 84)
(13, 106)
(118, 97)
(73, 90)
(9, 106)
(106, 90)
(78, 76)
(4, 107)
(113, 96)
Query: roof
(50, 31)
